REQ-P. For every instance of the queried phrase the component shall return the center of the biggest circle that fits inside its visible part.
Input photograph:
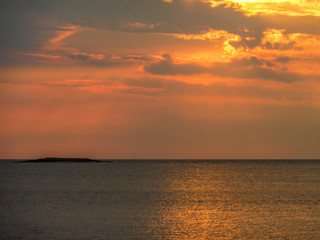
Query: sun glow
(215, 35)
(272, 7)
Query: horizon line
(172, 159)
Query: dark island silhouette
(54, 159)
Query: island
(54, 159)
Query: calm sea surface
(160, 200)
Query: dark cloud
(25, 25)
(106, 61)
(264, 73)
(252, 61)
(168, 67)
(292, 24)
(284, 59)
(80, 57)
(269, 64)
(22, 18)
(247, 62)
(280, 46)
(138, 58)
(244, 68)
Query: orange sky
(160, 79)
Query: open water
(160, 200)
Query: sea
(160, 199)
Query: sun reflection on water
(212, 201)
(194, 211)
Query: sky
(183, 79)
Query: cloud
(139, 16)
(100, 60)
(247, 62)
(97, 60)
(284, 59)
(279, 45)
(168, 67)
(30, 24)
(222, 91)
(293, 24)
(243, 68)
(81, 57)
(138, 58)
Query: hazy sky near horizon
(160, 78)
